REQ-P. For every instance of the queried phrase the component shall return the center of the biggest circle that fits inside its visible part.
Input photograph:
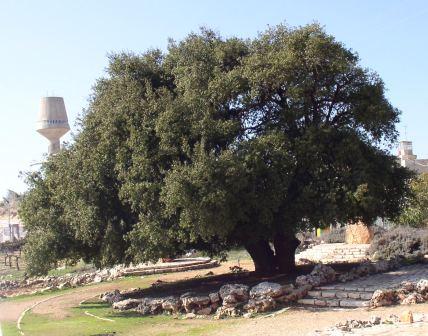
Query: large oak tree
(219, 142)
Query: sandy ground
(294, 322)
(57, 307)
(301, 322)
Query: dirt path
(58, 307)
(295, 322)
(301, 322)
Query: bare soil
(300, 322)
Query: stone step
(325, 302)
(338, 295)
(333, 294)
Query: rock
(143, 309)
(358, 234)
(383, 297)
(295, 294)
(127, 304)
(189, 316)
(406, 317)
(223, 312)
(238, 290)
(47, 289)
(266, 289)
(365, 268)
(260, 305)
(413, 298)
(324, 272)
(155, 305)
(64, 285)
(422, 286)
(111, 297)
(321, 274)
(97, 279)
(233, 294)
(408, 286)
(171, 304)
(193, 303)
(204, 311)
(248, 315)
(375, 320)
(131, 293)
(187, 294)
(302, 280)
(214, 297)
(287, 289)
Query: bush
(12, 246)
(336, 235)
(405, 242)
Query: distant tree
(416, 212)
(217, 143)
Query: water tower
(52, 122)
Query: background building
(410, 160)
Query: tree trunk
(262, 255)
(285, 249)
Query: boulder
(155, 305)
(171, 304)
(127, 304)
(97, 279)
(233, 294)
(64, 285)
(189, 316)
(383, 297)
(260, 304)
(204, 311)
(223, 312)
(422, 287)
(326, 273)
(358, 234)
(408, 286)
(295, 294)
(375, 320)
(266, 289)
(214, 297)
(111, 297)
(413, 298)
(143, 308)
(194, 303)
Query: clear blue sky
(60, 47)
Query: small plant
(405, 242)
(336, 235)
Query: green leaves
(215, 143)
(416, 211)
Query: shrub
(416, 212)
(405, 242)
(336, 235)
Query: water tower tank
(52, 122)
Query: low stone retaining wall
(334, 253)
(179, 265)
(10, 288)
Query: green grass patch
(125, 323)
(132, 281)
(238, 254)
(9, 329)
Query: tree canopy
(219, 142)
(416, 211)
